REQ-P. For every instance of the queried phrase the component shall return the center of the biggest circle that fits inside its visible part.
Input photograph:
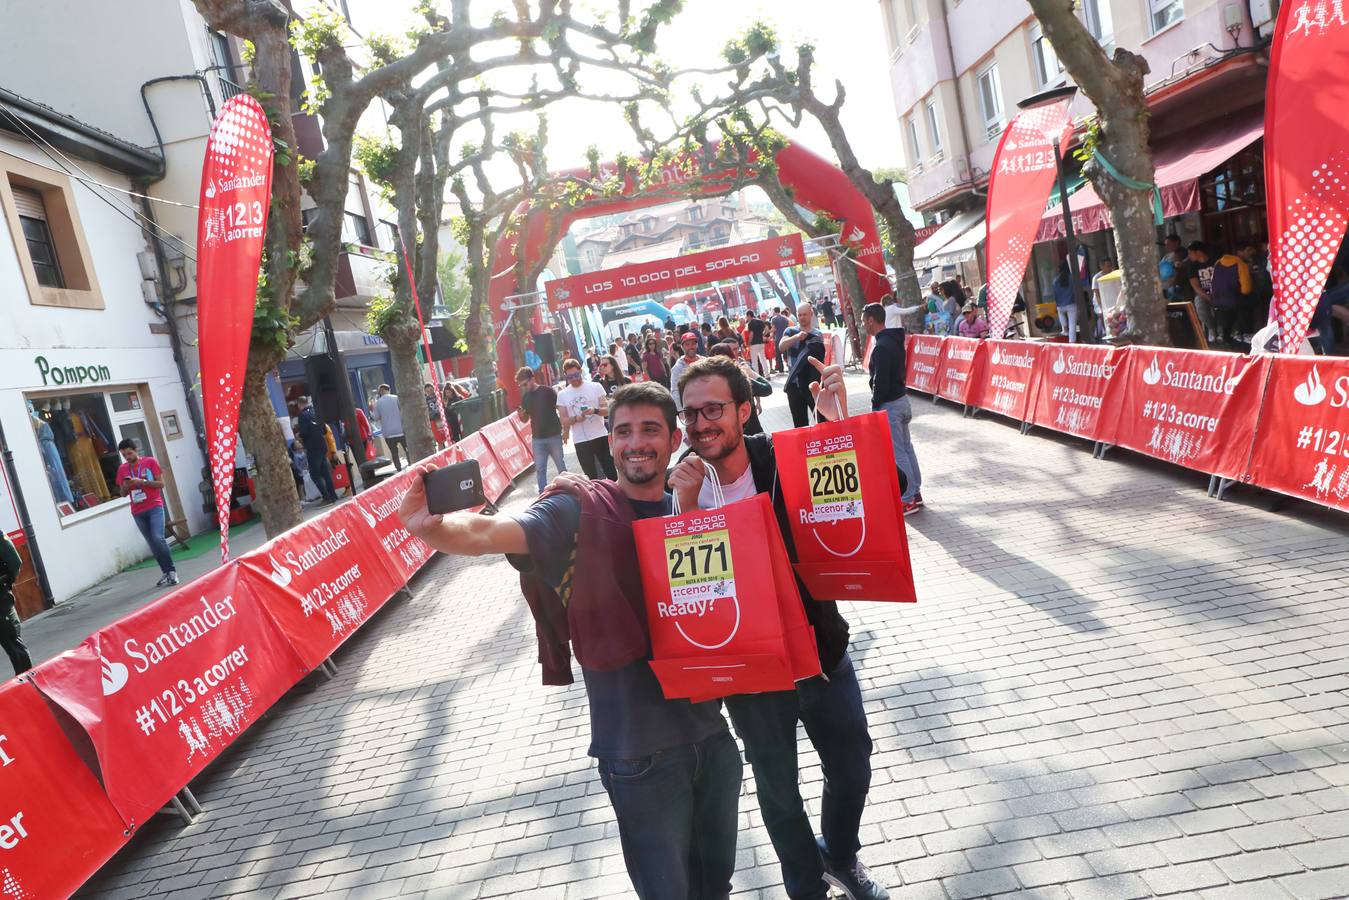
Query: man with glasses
(800, 345)
(538, 404)
(583, 406)
(689, 341)
(716, 407)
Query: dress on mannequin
(87, 473)
(51, 460)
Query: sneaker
(911, 507)
(918, 499)
(854, 881)
(172, 578)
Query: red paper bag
(841, 488)
(714, 634)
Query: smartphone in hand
(456, 487)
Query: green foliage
(459, 229)
(272, 322)
(1091, 139)
(892, 175)
(643, 39)
(378, 159)
(758, 40)
(248, 52)
(383, 312)
(385, 48)
(305, 168)
(322, 28)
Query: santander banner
(1072, 386)
(1302, 444)
(56, 824)
(495, 481)
(1008, 381)
(378, 506)
(163, 691)
(957, 372)
(1306, 157)
(236, 189)
(922, 354)
(322, 580)
(672, 274)
(510, 451)
(1024, 169)
(1195, 409)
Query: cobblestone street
(1112, 686)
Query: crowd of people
(672, 414)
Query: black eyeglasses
(711, 412)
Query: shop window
(39, 209)
(77, 437)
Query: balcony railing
(228, 88)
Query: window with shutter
(37, 234)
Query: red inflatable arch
(817, 185)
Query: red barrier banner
(672, 274)
(1024, 167)
(495, 480)
(1072, 381)
(505, 442)
(1192, 408)
(164, 690)
(1306, 163)
(922, 359)
(321, 580)
(378, 507)
(1302, 441)
(236, 192)
(526, 432)
(1007, 379)
(958, 370)
(56, 824)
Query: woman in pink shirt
(139, 478)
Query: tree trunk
(1115, 86)
(407, 373)
(277, 501)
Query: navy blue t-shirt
(629, 715)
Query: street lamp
(1085, 316)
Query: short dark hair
(645, 393)
(719, 367)
(722, 349)
(128, 444)
(522, 373)
(570, 363)
(1198, 247)
(1171, 237)
(875, 312)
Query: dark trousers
(394, 441)
(676, 815)
(801, 403)
(1226, 319)
(831, 710)
(322, 474)
(12, 643)
(596, 459)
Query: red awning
(1180, 162)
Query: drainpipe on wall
(960, 101)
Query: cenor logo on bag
(702, 588)
(1311, 392)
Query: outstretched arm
(461, 533)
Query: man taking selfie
(670, 767)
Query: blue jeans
(151, 524)
(900, 414)
(831, 710)
(545, 448)
(322, 473)
(676, 814)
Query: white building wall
(81, 550)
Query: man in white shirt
(582, 406)
(689, 341)
(390, 419)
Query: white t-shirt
(740, 489)
(572, 399)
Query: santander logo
(210, 189)
(1059, 366)
(280, 575)
(1153, 373)
(997, 356)
(115, 676)
(369, 519)
(1312, 391)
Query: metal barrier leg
(190, 800)
(1212, 485)
(329, 668)
(1025, 427)
(1223, 485)
(178, 807)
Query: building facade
(87, 357)
(959, 67)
